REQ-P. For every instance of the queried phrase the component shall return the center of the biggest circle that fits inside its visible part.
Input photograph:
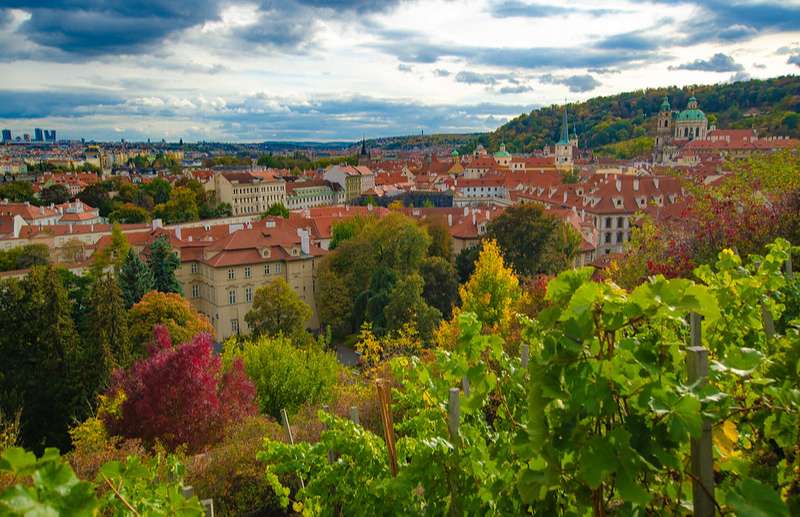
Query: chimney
(618, 184)
(636, 184)
(178, 232)
(565, 197)
(91, 228)
(156, 224)
(18, 224)
(236, 227)
(70, 228)
(305, 242)
(449, 219)
(474, 219)
(656, 181)
(466, 211)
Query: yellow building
(249, 194)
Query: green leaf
(752, 498)
(687, 413)
(18, 461)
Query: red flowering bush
(179, 394)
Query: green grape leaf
(18, 461)
(752, 498)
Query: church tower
(564, 145)
(663, 132)
(363, 156)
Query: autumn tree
(180, 394)
(112, 255)
(54, 194)
(277, 309)
(135, 279)
(533, 241)
(181, 207)
(407, 306)
(171, 310)
(163, 262)
(441, 242)
(276, 210)
(40, 350)
(159, 189)
(493, 290)
(129, 213)
(106, 345)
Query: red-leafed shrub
(179, 394)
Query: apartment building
(308, 194)
(353, 180)
(247, 193)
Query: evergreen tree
(107, 346)
(163, 262)
(135, 279)
(40, 371)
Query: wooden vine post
(385, 403)
(453, 414)
(702, 456)
(288, 428)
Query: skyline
(301, 70)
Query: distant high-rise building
(50, 135)
(6, 135)
(38, 135)
(26, 137)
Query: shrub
(179, 395)
(230, 474)
(170, 310)
(285, 376)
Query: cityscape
(403, 257)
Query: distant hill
(616, 124)
(410, 142)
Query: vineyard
(589, 408)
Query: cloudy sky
(231, 70)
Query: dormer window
(618, 203)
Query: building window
(247, 272)
(194, 267)
(620, 222)
(608, 238)
(248, 294)
(195, 290)
(232, 297)
(620, 237)
(608, 222)
(277, 268)
(235, 326)
(266, 269)
(231, 274)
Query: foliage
(112, 255)
(48, 486)
(277, 309)
(159, 189)
(374, 350)
(180, 208)
(441, 284)
(441, 242)
(24, 257)
(406, 307)
(42, 361)
(135, 279)
(54, 194)
(128, 213)
(9, 429)
(639, 147)
(284, 375)
(107, 344)
(276, 210)
(163, 262)
(17, 191)
(230, 474)
(493, 290)
(600, 420)
(171, 310)
(179, 394)
(347, 229)
(532, 241)
(302, 162)
(465, 261)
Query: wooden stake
(524, 356)
(702, 459)
(465, 385)
(288, 428)
(453, 414)
(327, 409)
(769, 323)
(354, 415)
(385, 403)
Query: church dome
(502, 153)
(693, 114)
(665, 105)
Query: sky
(250, 71)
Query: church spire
(564, 129)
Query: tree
(334, 302)
(129, 213)
(493, 290)
(96, 195)
(441, 284)
(531, 240)
(170, 310)
(24, 257)
(40, 371)
(56, 194)
(465, 261)
(163, 262)
(285, 377)
(112, 255)
(276, 210)
(181, 207)
(17, 191)
(106, 343)
(159, 189)
(406, 306)
(73, 251)
(135, 279)
(347, 229)
(277, 309)
(180, 395)
(441, 242)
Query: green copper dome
(665, 105)
(502, 153)
(454, 153)
(694, 114)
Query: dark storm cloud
(537, 10)
(717, 63)
(575, 83)
(636, 40)
(15, 104)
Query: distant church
(675, 128)
(566, 145)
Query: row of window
(620, 222)
(269, 269)
(609, 235)
(248, 295)
(256, 190)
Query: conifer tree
(135, 279)
(107, 345)
(163, 262)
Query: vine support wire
(288, 428)
(385, 403)
(702, 460)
